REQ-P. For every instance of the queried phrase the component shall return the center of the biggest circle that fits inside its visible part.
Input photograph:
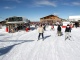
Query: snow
(23, 45)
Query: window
(15, 19)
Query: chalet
(50, 19)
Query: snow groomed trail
(52, 48)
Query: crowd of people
(41, 28)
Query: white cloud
(17, 1)
(55, 13)
(76, 3)
(45, 3)
(72, 4)
(7, 7)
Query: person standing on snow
(40, 31)
(44, 26)
(67, 32)
(59, 30)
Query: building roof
(16, 19)
(15, 22)
(49, 16)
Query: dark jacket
(68, 29)
(58, 28)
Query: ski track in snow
(52, 48)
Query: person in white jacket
(40, 31)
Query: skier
(59, 30)
(40, 31)
(67, 32)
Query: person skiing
(40, 31)
(59, 30)
(67, 32)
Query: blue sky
(35, 9)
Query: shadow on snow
(16, 40)
(47, 36)
(2, 34)
(32, 28)
(5, 50)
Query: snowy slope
(24, 46)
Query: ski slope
(23, 45)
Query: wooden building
(50, 19)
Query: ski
(67, 38)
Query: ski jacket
(40, 30)
(58, 28)
(68, 29)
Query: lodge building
(15, 23)
(50, 19)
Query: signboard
(65, 24)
